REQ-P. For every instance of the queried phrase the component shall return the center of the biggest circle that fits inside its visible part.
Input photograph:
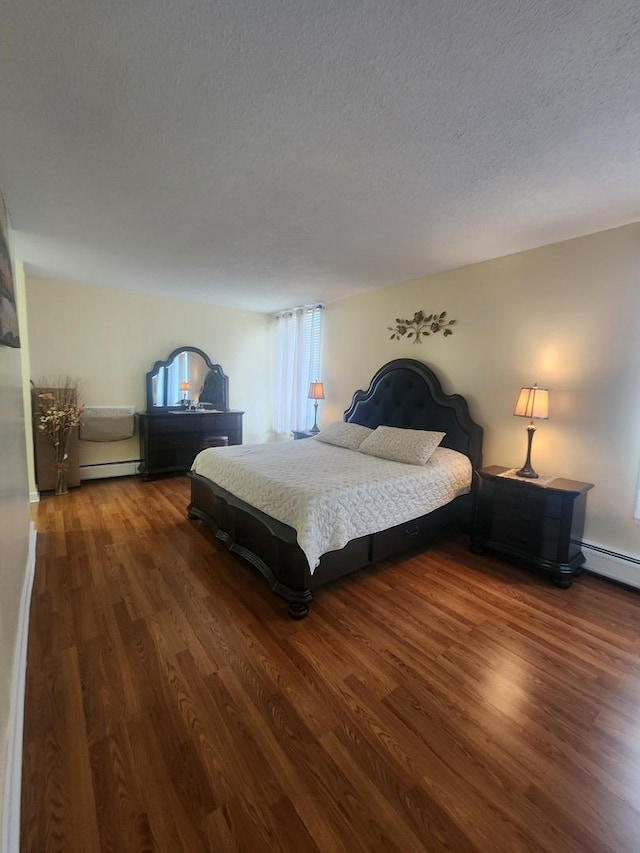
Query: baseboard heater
(109, 469)
(619, 567)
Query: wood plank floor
(445, 702)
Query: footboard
(268, 544)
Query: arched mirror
(185, 378)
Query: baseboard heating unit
(623, 568)
(109, 469)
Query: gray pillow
(412, 446)
(344, 434)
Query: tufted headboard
(406, 393)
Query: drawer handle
(414, 532)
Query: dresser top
(187, 413)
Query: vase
(61, 479)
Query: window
(297, 335)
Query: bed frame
(403, 393)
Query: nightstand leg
(297, 610)
(563, 578)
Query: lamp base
(529, 473)
(315, 428)
(526, 470)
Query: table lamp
(316, 392)
(533, 402)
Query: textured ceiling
(269, 153)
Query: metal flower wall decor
(421, 326)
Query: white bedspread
(330, 495)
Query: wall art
(421, 326)
(8, 314)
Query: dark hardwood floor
(446, 702)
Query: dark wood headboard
(406, 393)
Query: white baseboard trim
(624, 568)
(15, 727)
(34, 497)
(109, 469)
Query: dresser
(170, 440)
(538, 521)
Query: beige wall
(109, 339)
(566, 316)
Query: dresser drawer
(220, 420)
(512, 516)
(532, 534)
(168, 443)
(177, 457)
(529, 499)
(171, 425)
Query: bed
(404, 393)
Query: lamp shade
(316, 391)
(533, 402)
(184, 386)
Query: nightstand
(540, 521)
(301, 433)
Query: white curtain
(296, 364)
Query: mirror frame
(168, 361)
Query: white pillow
(344, 434)
(413, 446)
